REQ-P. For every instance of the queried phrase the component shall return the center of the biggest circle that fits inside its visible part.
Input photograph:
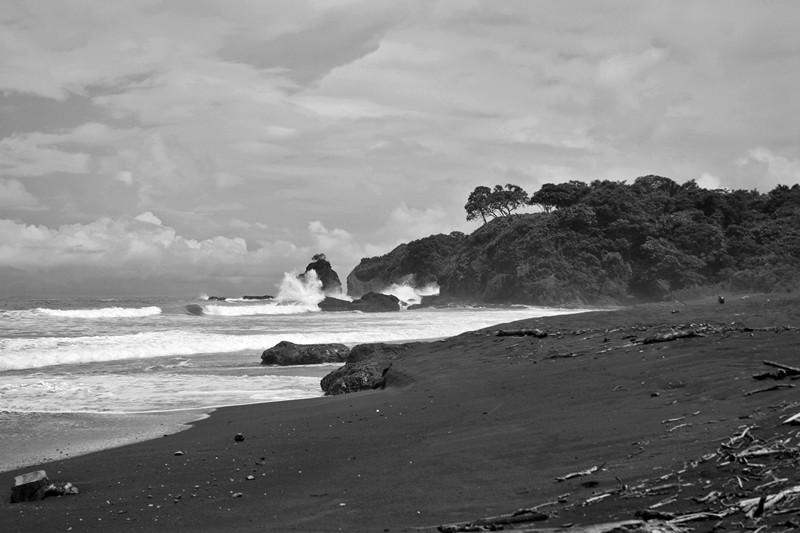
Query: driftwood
(790, 370)
(754, 507)
(586, 472)
(769, 389)
(496, 522)
(522, 333)
(794, 419)
(670, 336)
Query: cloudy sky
(189, 146)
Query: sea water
(158, 354)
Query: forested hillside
(609, 241)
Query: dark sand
(469, 427)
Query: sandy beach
(474, 426)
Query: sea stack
(325, 273)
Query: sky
(196, 146)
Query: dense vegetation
(609, 241)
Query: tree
(484, 202)
(560, 195)
(478, 203)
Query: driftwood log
(538, 333)
(670, 336)
(790, 370)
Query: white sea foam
(105, 312)
(18, 353)
(410, 294)
(295, 296)
(161, 392)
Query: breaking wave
(294, 297)
(106, 312)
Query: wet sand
(473, 426)
(73, 434)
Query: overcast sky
(188, 146)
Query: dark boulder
(325, 273)
(288, 353)
(335, 304)
(367, 367)
(372, 302)
(263, 297)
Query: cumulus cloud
(134, 248)
(238, 123)
(780, 169)
(708, 181)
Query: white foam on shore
(106, 312)
(160, 392)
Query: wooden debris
(769, 389)
(761, 504)
(538, 333)
(586, 472)
(493, 523)
(670, 336)
(790, 370)
(794, 419)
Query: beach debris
(670, 336)
(30, 487)
(587, 472)
(61, 489)
(790, 370)
(772, 388)
(538, 333)
(794, 419)
(238, 437)
(493, 523)
(35, 486)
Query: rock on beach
(288, 353)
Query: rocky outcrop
(419, 263)
(325, 273)
(367, 367)
(288, 353)
(374, 302)
(369, 303)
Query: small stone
(179, 452)
(239, 437)
(237, 495)
(250, 477)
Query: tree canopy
(501, 201)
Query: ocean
(134, 356)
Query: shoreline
(472, 426)
(75, 434)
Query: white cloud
(781, 169)
(239, 122)
(137, 248)
(708, 181)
